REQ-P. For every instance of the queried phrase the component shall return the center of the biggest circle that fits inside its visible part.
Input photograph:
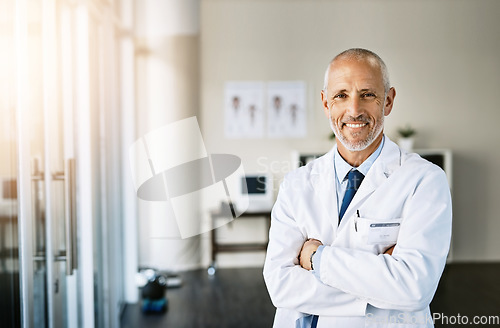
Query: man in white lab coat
(369, 260)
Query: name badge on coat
(383, 233)
(376, 233)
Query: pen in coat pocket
(356, 221)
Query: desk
(241, 247)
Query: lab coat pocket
(376, 235)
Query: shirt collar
(342, 167)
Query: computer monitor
(258, 189)
(442, 158)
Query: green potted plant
(406, 137)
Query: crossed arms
(311, 246)
(351, 278)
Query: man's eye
(368, 95)
(340, 95)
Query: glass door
(43, 174)
(61, 260)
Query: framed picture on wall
(286, 109)
(244, 109)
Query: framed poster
(244, 109)
(286, 109)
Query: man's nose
(354, 107)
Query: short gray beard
(363, 144)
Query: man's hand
(310, 246)
(389, 251)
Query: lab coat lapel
(387, 162)
(323, 180)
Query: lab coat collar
(323, 174)
(342, 168)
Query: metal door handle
(70, 255)
(70, 217)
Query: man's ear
(324, 101)
(389, 101)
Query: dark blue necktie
(354, 178)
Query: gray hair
(360, 54)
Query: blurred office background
(82, 80)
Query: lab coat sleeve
(289, 285)
(408, 279)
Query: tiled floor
(238, 298)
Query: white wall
(443, 61)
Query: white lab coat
(359, 286)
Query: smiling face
(355, 103)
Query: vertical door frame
(25, 214)
(49, 85)
(68, 104)
(83, 153)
